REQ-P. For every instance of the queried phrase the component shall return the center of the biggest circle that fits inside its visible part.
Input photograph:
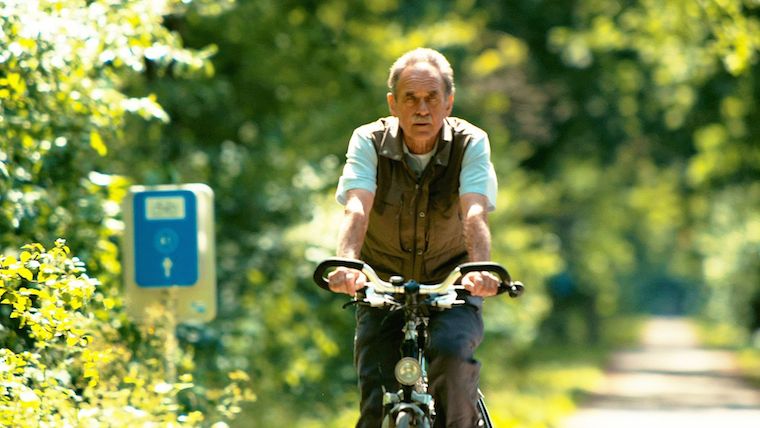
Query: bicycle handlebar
(514, 288)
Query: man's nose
(422, 108)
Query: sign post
(168, 253)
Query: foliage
(65, 65)
(67, 69)
(678, 88)
(63, 366)
(725, 334)
(749, 364)
(599, 133)
(623, 133)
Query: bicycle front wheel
(485, 417)
(407, 419)
(404, 419)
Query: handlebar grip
(333, 262)
(515, 289)
(507, 285)
(492, 267)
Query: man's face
(421, 104)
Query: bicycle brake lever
(447, 300)
(379, 300)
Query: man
(417, 188)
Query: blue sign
(165, 238)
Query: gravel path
(670, 382)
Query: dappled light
(624, 136)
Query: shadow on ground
(670, 381)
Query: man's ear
(450, 106)
(391, 103)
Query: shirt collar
(392, 147)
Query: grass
(541, 395)
(721, 335)
(734, 338)
(749, 364)
(547, 383)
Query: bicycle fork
(411, 373)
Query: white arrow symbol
(167, 267)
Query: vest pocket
(445, 240)
(444, 226)
(389, 242)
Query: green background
(625, 136)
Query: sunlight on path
(669, 382)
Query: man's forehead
(420, 77)
(420, 69)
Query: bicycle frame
(412, 405)
(410, 371)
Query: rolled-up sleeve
(360, 170)
(478, 174)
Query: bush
(63, 364)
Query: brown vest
(415, 227)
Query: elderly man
(417, 188)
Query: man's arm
(353, 227)
(477, 238)
(351, 234)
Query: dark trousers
(453, 372)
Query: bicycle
(412, 405)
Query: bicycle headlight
(408, 371)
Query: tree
(63, 106)
(676, 88)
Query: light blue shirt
(360, 171)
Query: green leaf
(35, 246)
(97, 143)
(25, 273)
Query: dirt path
(670, 382)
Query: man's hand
(481, 284)
(345, 280)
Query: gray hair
(432, 57)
